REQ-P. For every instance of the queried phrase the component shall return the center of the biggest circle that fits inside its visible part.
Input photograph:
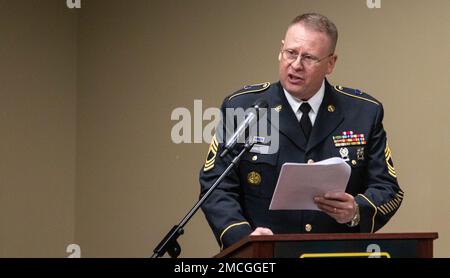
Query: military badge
(344, 153)
(390, 165)
(254, 178)
(349, 138)
(360, 153)
(211, 157)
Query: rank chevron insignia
(390, 165)
(211, 157)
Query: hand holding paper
(299, 183)
(339, 205)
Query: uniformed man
(316, 121)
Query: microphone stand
(169, 243)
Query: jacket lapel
(328, 119)
(288, 124)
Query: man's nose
(297, 64)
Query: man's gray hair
(318, 23)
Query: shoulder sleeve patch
(255, 88)
(354, 93)
(389, 163)
(211, 157)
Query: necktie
(305, 122)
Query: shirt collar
(314, 101)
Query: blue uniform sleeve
(223, 208)
(383, 195)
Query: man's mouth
(295, 78)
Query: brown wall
(141, 59)
(37, 120)
(138, 60)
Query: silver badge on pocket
(262, 149)
(344, 153)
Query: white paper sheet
(299, 183)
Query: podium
(357, 245)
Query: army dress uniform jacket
(348, 125)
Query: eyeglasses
(306, 59)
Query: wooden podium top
(265, 243)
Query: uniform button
(308, 227)
(354, 162)
(255, 157)
(310, 161)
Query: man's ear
(331, 64)
(281, 48)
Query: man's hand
(260, 231)
(339, 205)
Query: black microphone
(249, 121)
